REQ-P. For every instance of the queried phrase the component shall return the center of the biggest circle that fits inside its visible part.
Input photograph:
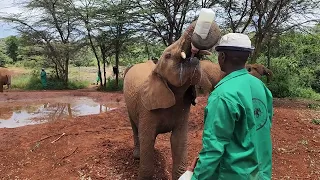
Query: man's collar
(232, 75)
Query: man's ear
(221, 57)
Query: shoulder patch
(260, 113)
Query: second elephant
(212, 74)
(259, 70)
(5, 78)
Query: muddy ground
(100, 146)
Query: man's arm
(220, 117)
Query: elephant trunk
(268, 73)
(207, 43)
(189, 37)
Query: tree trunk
(66, 72)
(117, 66)
(104, 59)
(104, 74)
(268, 59)
(57, 71)
(258, 45)
(147, 50)
(95, 54)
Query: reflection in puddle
(12, 117)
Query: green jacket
(43, 77)
(236, 138)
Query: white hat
(235, 42)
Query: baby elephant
(158, 95)
(5, 78)
(212, 74)
(259, 70)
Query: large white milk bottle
(206, 18)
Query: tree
(86, 14)
(109, 27)
(166, 19)
(120, 26)
(265, 19)
(12, 45)
(55, 30)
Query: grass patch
(316, 121)
(314, 106)
(306, 93)
(111, 85)
(31, 82)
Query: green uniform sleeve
(270, 105)
(219, 123)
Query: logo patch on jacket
(260, 113)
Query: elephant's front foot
(136, 153)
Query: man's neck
(232, 69)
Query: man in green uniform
(236, 138)
(98, 77)
(43, 78)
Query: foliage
(32, 82)
(126, 32)
(4, 59)
(166, 19)
(12, 45)
(316, 82)
(111, 85)
(55, 30)
(287, 81)
(316, 121)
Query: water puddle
(35, 113)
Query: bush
(4, 59)
(111, 85)
(316, 82)
(290, 80)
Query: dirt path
(100, 146)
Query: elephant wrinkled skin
(212, 74)
(158, 98)
(5, 78)
(259, 70)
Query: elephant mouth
(190, 67)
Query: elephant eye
(168, 56)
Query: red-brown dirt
(100, 146)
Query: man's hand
(193, 165)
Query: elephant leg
(136, 151)
(179, 150)
(147, 141)
(1, 88)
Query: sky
(8, 7)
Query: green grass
(314, 106)
(111, 85)
(316, 121)
(31, 82)
(307, 93)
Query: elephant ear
(155, 93)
